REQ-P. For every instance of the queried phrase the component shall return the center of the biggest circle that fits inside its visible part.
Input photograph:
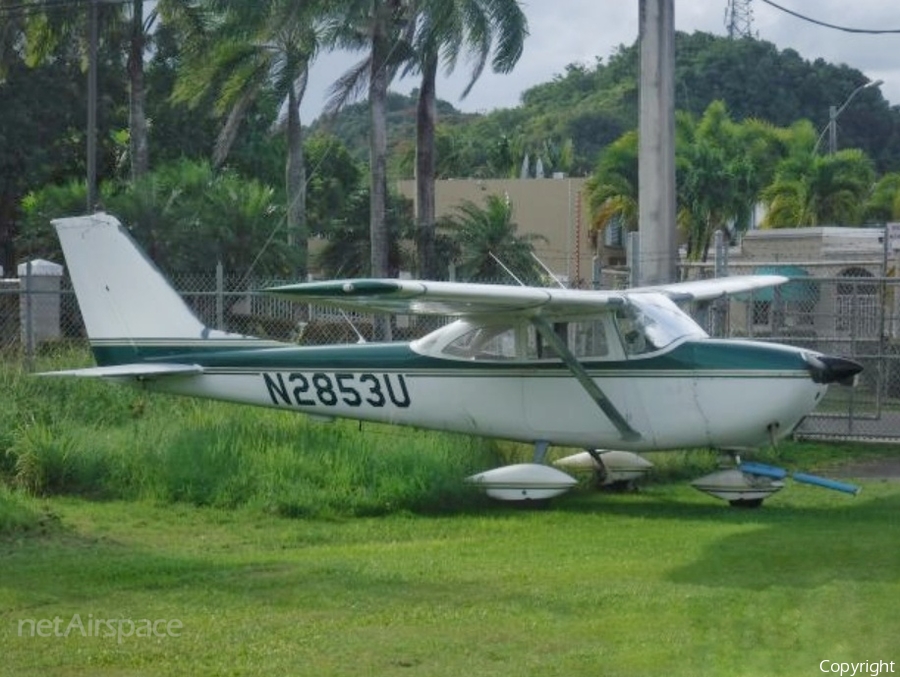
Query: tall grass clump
(290, 466)
(101, 440)
(66, 435)
(20, 514)
(682, 466)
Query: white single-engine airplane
(626, 370)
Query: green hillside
(568, 120)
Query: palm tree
(722, 167)
(128, 26)
(12, 30)
(449, 28)
(383, 29)
(613, 188)
(255, 46)
(139, 144)
(884, 203)
(486, 236)
(708, 174)
(813, 190)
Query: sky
(578, 31)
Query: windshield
(650, 322)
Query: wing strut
(578, 371)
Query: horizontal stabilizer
(141, 371)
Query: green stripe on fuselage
(698, 356)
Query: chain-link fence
(846, 308)
(39, 314)
(842, 308)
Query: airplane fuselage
(701, 392)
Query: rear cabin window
(586, 339)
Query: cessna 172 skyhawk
(626, 370)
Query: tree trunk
(426, 114)
(295, 184)
(137, 118)
(708, 230)
(8, 208)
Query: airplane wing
(421, 297)
(139, 371)
(707, 290)
(466, 299)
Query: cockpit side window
(497, 343)
(588, 338)
(522, 342)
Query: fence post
(29, 320)
(719, 315)
(39, 304)
(220, 296)
(721, 253)
(883, 368)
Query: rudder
(121, 292)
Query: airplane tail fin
(130, 310)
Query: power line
(846, 29)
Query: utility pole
(833, 113)
(656, 147)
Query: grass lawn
(665, 582)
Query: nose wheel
(749, 484)
(741, 487)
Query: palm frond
(348, 88)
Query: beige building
(556, 208)
(831, 247)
